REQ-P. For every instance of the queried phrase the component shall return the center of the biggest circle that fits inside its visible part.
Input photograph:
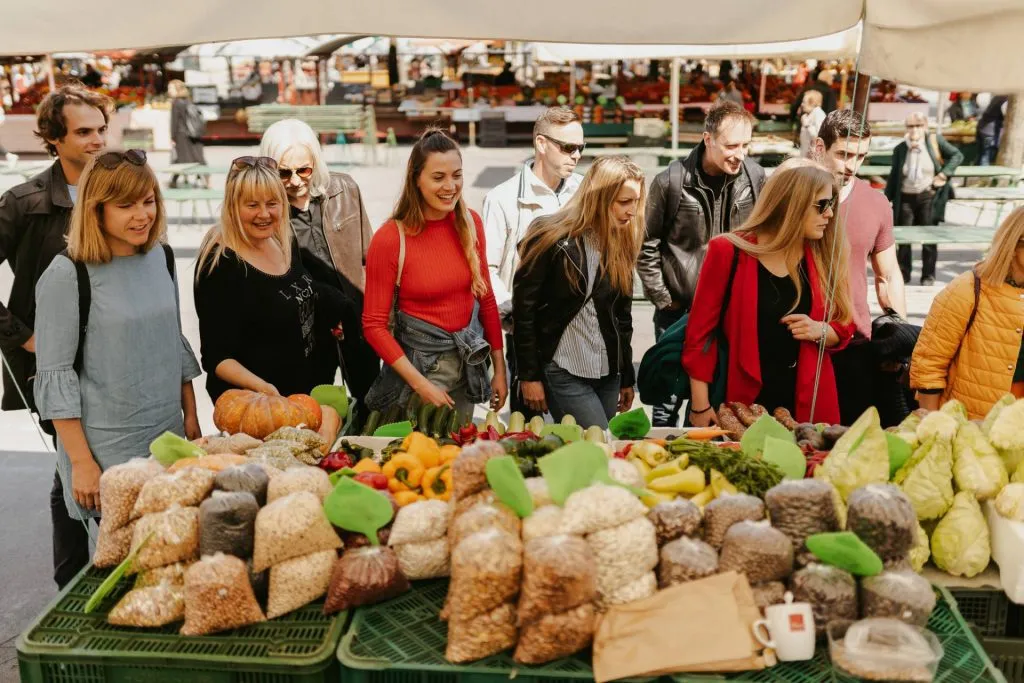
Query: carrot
(705, 434)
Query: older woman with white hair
(919, 188)
(333, 233)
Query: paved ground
(25, 570)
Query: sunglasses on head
(823, 205)
(303, 172)
(251, 162)
(568, 148)
(111, 160)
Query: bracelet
(699, 412)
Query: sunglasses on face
(567, 148)
(823, 205)
(251, 162)
(304, 172)
(111, 160)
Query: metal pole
(572, 82)
(49, 73)
(472, 123)
(674, 99)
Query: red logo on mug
(796, 623)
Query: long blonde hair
(98, 185)
(255, 182)
(778, 222)
(590, 212)
(998, 262)
(409, 208)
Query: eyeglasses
(111, 160)
(823, 205)
(304, 172)
(568, 148)
(251, 162)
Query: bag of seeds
(900, 595)
(364, 576)
(884, 518)
(483, 635)
(758, 551)
(598, 507)
(469, 469)
(545, 521)
(554, 636)
(149, 607)
(170, 536)
(675, 518)
(486, 569)
(291, 527)
(185, 488)
(120, 486)
(480, 517)
(299, 581)
(248, 478)
(559, 573)
(218, 596)
(227, 524)
(831, 591)
(800, 509)
(112, 546)
(686, 559)
(428, 560)
(424, 520)
(312, 479)
(623, 553)
(721, 513)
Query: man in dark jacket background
(34, 218)
(710, 192)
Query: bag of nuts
(149, 607)
(558, 574)
(112, 547)
(428, 560)
(173, 574)
(312, 479)
(486, 569)
(623, 553)
(291, 527)
(598, 507)
(299, 581)
(723, 512)
(644, 587)
(469, 469)
(483, 635)
(419, 522)
(185, 488)
(170, 536)
(545, 521)
(120, 486)
(218, 596)
(364, 576)
(675, 518)
(686, 559)
(831, 591)
(538, 488)
(768, 594)
(900, 595)
(758, 551)
(555, 636)
(800, 509)
(883, 517)
(480, 517)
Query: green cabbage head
(960, 543)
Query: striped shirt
(581, 350)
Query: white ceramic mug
(789, 630)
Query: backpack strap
(675, 193)
(84, 304)
(169, 255)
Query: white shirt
(581, 350)
(507, 213)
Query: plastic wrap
(832, 593)
(296, 479)
(149, 607)
(723, 512)
(227, 524)
(883, 517)
(298, 582)
(173, 536)
(486, 569)
(675, 518)
(758, 551)
(186, 488)
(901, 595)
(428, 560)
(598, 507)
(291, 527)
(686, 559)
(555, 636)
(559, 573)
(248, 478)
(218, 596)
(800, 509)
(419, 522)
(482, 636)
(364, 576)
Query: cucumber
(568, 420)
(371, 424)
(454, 424)
(424, 417)
(440, 421)
(412, 409)
(536, 425)
(517, 422)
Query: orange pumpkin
(314, 414)
(259, 415)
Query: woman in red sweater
(777, 278)
(429, 311)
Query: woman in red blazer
(791, 274)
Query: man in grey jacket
(710, 192)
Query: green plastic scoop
(355, 507)
(632, 424)
(395, 430)
(845, 550)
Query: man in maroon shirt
(866, 217)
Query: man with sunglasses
(541, 187)
(708, 193)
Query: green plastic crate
(1008, 656)
(986, 609)
(65, 645)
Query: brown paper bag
(704, 625)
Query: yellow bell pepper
(437, 483)
(666, 469)
(367, 465)
(720, 485)
(641, 466)
(424, 448)
(403, 498)
(688, 482)
(404, 472)
(652, 498)
(449, 453)
(703, 498)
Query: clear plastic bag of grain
(480, 517)
(832, 593)
(168, 537)
(463, 505)
(313, 445)
(185, 488)
(758, 551)
(291, 527)
(112, 546)
(277, 454)
(364, 576)
(248, 478)
(419, 522)
(120, 486)
(675, 518)
(312, 479)
(482, 635)
(686, 559)
(883, 517)
(626, 473)
(800, 509)
(172, 574)
(768, 594)
(559, 573)
(555, 636)
(538, 488)
(469, 469)
(149, 607)
(237, 444)
(544, 521)
(218, 596)
(900, 595)
(644, 587)
(299, 581)
(623, 553)
(428, 560)
(721, 513)
(227, 524)
(486, 570)
(598, 507)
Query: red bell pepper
(375, 480)
(466, 435)
(336, 461)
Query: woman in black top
(777, 347)
(256, 303)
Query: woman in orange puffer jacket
(976, 362)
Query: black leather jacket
(34, 219)
(680, 223)
(544, 302)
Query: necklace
(1010, 281)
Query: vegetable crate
(963, 661)
(403, 641)
(1008, 655)
(65, 645)
(987, 610)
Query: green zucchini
(371, 424)
(393, 415)
(425, 415)
(455, 424)
(412, 409)
(440, 421)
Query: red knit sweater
(436, 284)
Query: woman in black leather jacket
(572, 298)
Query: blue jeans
(665, 414)
(591, 401)
(988, 149)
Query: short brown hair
(722, 110)
(843, 123)
(554, 116)
(50, 120)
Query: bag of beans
(218, 596)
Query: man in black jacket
(710, 192)
(34, 217)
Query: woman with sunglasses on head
(112, 391)
(774, 291)
(572, 298)
(255, 301)
(430, 312)
(333, 233)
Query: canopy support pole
(674, 107)
(572, 82)
(49, 73)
